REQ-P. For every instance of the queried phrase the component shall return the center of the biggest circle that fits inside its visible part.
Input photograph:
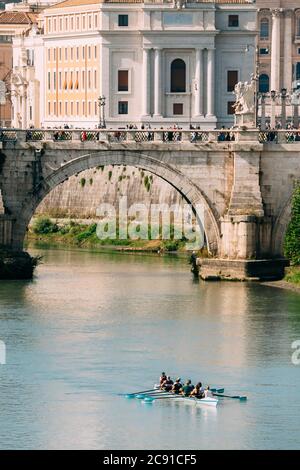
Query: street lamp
(283, 107)
(101, 104)
(273, 95)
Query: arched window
(298, 26)
(264, 83)
(178, 76)
(264, 28)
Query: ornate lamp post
(273, 95)
(101, 104)
(283, 107)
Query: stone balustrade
(151, 135)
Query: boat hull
(209, 401)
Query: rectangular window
(49, 81)
(60, 53)
(122, 80)
(89, 52)
(178, 109)
(54, 25)
(90, 21)
(95, 79)
(90, 108)
(89, 80)
(230, 108)
(72, 23)
(83, 22)
(60, 24)
(54, 54)
(49, 55)
(77, 108)
(233, 21)
(60, 108)
(96, 21)
(66, 108)
(83, 107)
(77, 22)
(66, 53)
(232, 79)
(72, 108)
(263, 51)
(77, 53)
(123, 20)
(54, 104)
(83, 79)
(59, 80)
(54, 80)
(95, 108)
(123, 107)
(30, 113)
(71, 53)
(83, 52)
(49, 107)
(95, 52)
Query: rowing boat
(208, 401)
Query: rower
(208, 393)
(162, 379)
(177, 386)
(198, 391)
(187, 388)
(167, 384)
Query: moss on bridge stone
(16, 265)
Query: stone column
(199, 83)
(287, 50)
(146, 82)
(157, 83)
(275, 50)
(210, 83)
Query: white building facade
(156, 62)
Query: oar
(132, 395)
(152, 399)
(217, 390)
(237, 397)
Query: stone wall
(80, 196)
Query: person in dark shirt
(177, 386)
(168, 384)
(187, 388)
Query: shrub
(43, 226)
(292, 237)
(82, 182)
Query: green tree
(292, 237)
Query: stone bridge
(243, 179)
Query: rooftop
(17, 17)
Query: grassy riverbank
(293, 275)
(74, 233)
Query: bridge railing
(149, 135)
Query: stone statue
(245, 97)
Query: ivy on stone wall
(292, 237)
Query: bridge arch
(190, 192)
